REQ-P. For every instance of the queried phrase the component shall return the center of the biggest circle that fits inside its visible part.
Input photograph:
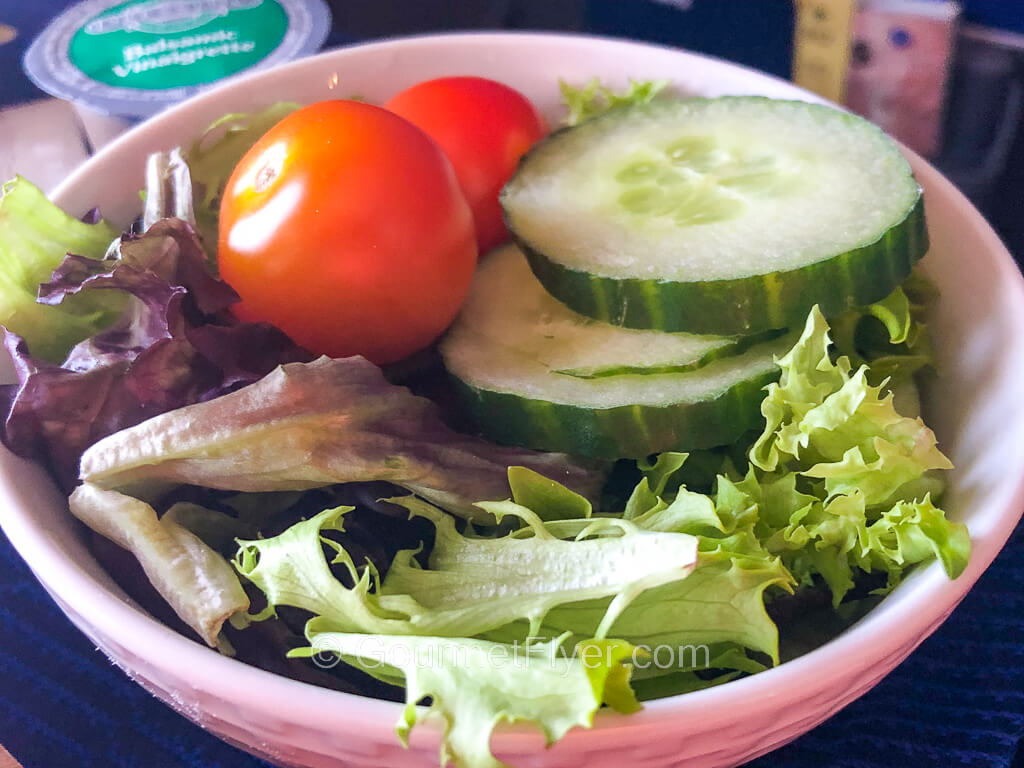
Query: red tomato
(484, 127)
(345, 227)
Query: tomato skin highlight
(345, 227)
(484, 127)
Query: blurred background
(947, 78)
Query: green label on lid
(157, 44)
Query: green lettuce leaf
(846, 481)
(474, 685)
(198, 583)
(824, 421)
(891, 335)
(685, 574)
(726, 661)
(308, 425)
(722, 601)
(484, 583)
(775, 507)
(291, 569)
(914, 531)
(214, 528)
(594, 99)
(471, 584)
(35, 236)
(837, 537)
(546, 498)
(688, 512)
(213, 157)
(647, 496)
(662, 469)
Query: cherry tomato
(345, 227)
(484, 127)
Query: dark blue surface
(958, 700)
(27, 17)
(1000, 14)
(756, 34)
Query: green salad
(672, 439)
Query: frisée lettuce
(593, 99)
(542, 566)
(474, 685)
(595, 581)
(847, 482)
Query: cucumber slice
(530, 320)
(729, 216)
(734, 346)
(511, 340)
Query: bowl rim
(230, 680)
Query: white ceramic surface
(977, 411)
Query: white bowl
(977, 412)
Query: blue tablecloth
(958, 700)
